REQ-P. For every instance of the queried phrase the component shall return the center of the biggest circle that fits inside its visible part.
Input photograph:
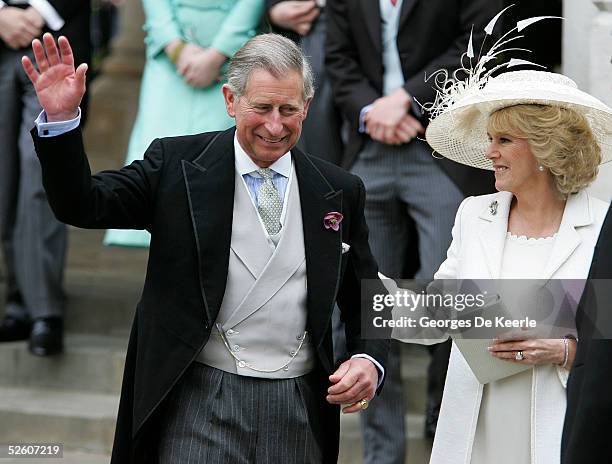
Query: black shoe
(13, 329)
(47, 336)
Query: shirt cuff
(362, 115)
(53, 129)
(54, 21)
(2, 4)
(381, 371)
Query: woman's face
(516, 169)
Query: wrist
(174, 49)
(566, 353)
(61, 117)
(218, 57)
(403, 97)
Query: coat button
(292, 353)
(230, 332)
(236, 348)
(241, 364)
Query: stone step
(103, 284)
(415, 360)
(82, 421)
(90, 363)
(97, 304)
(351, 442)
(69, 457)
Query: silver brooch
(493, 208)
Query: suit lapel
(576, 214)
(210, 186)
(371, 10)
(407, 7)
(323, 246)
(492, 231)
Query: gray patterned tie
(270, 205)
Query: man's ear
(230, 101)
(306, 106)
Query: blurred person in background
(378, 54)
(588, 419)
(305, 21)
(188, 44)
(33, 241)
(104, 26)
(544, 42)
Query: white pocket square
(345, 247)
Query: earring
(541, 168)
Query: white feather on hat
(460, 113)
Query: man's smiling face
(268, 115)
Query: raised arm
(111, 199)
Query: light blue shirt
(52, 129)
(247, 168)
(393, 76)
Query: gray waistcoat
(263, 313)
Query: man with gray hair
(230, 357)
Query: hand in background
(35, 18)
(59, 87)
(18, 27)
(388, 120)
(356, 379)
(202, 67)
(295, 15)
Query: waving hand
(58, 85)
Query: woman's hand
(535, 352)
(199, 66)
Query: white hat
(459, 131)
(461, 110)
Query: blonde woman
(545, 140)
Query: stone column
(578, 16)
(599, 77)
(114, 94)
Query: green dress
(168, 106)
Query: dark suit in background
(321, 132)
(405, 184)
(588, 420)
(33, 241)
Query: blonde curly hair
(560, 139)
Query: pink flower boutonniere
(332, 220)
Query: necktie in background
(393, 2)
(269, 205)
